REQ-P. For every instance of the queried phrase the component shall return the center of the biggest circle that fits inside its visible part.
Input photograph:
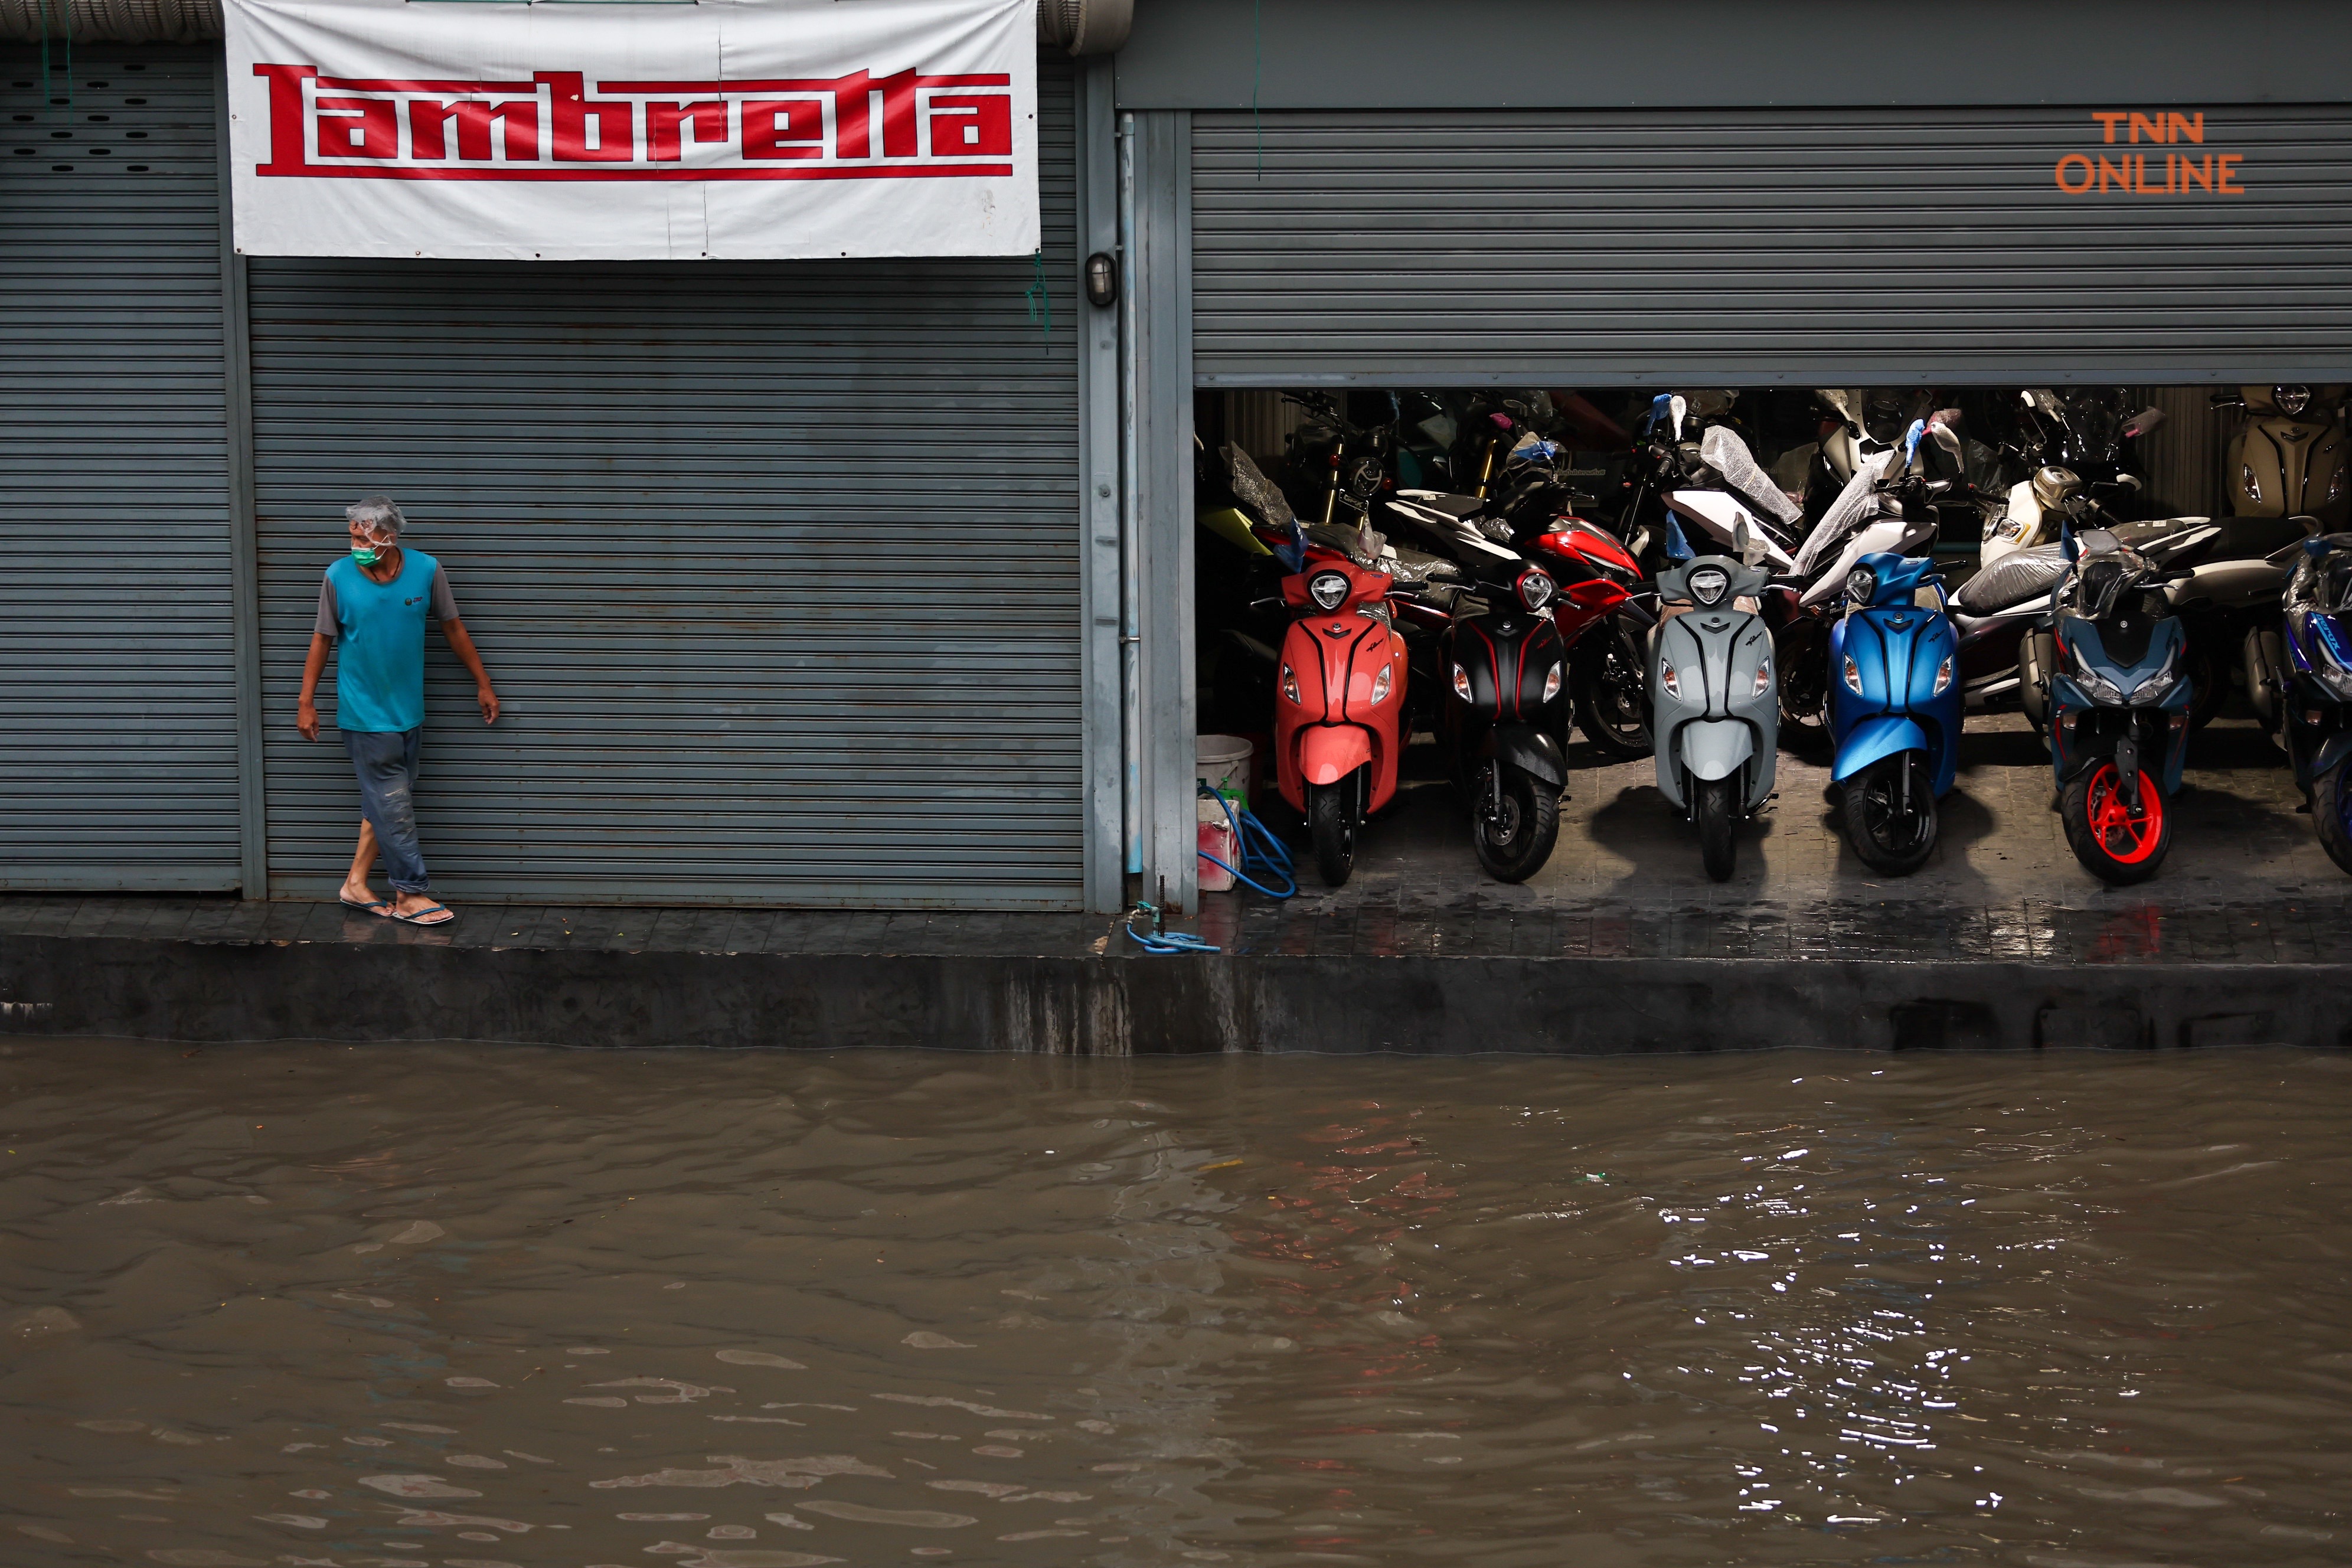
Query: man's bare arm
(463, 642)
(306, 712)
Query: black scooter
(1503, 715)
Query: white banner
(721, 129)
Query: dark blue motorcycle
(1895, 710)
(2105, 676)
(2307, 684)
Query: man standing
(374, 604)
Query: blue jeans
(385, 761)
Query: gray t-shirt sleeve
(325, 625)
(444, 603)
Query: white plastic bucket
(1223, 762)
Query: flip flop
(418, 917)
(377, 908)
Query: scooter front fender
(1871, 740)
(2331, 756)
(1329, 753)
(1532, 751)
(1715, 748)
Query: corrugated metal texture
(776, 567)
(1813, 247)
(2184, 456)
(116, 690)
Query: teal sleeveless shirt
(379, 643)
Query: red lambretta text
(904, 125)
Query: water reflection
(406, 1309)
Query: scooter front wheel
(2115, 841)
(1892, 829)
(1802, 652)
(1515, 840)
(1331, 828)
(2331, 808)
(1610, 692)
(1715, 807)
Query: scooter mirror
(1751, 547)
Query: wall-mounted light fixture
(1102, 280)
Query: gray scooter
(1713, 705)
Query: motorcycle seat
(1439, 500)
(2011, 581)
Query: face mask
(366, 555)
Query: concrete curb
(1088, 1004)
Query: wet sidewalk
(1620, 944)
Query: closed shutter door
(117, 685)
(776, 567)
(1749, 248)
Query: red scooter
(1604, 625)
(1339, 706)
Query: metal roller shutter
(776, 567)
(1750, 247)
(117, 682)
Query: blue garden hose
(1159, 940)
(1261, 850)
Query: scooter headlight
(1461, 683)
(1943, 678)
(1861, 586)
(1708, 584)
(1382, 682)
(2337, 683)
(1853, 678)
(1290, 685)
(2096, 687)
(1670, 682)
(2292, 400)
(2159, 687)
(2253, 485)
(1553, 678)
(2334, 487)
(1536, 590)
(1763, 679)
(1328, 589)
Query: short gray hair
(377, 514)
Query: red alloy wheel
(2128, 836)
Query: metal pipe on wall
(1131, 612)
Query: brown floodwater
(404, 1307)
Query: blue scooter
(2303, 684)
(1895, 710)
(2105, 676)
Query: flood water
(403, 1308)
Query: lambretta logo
(557, 126)
(2078, 173)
